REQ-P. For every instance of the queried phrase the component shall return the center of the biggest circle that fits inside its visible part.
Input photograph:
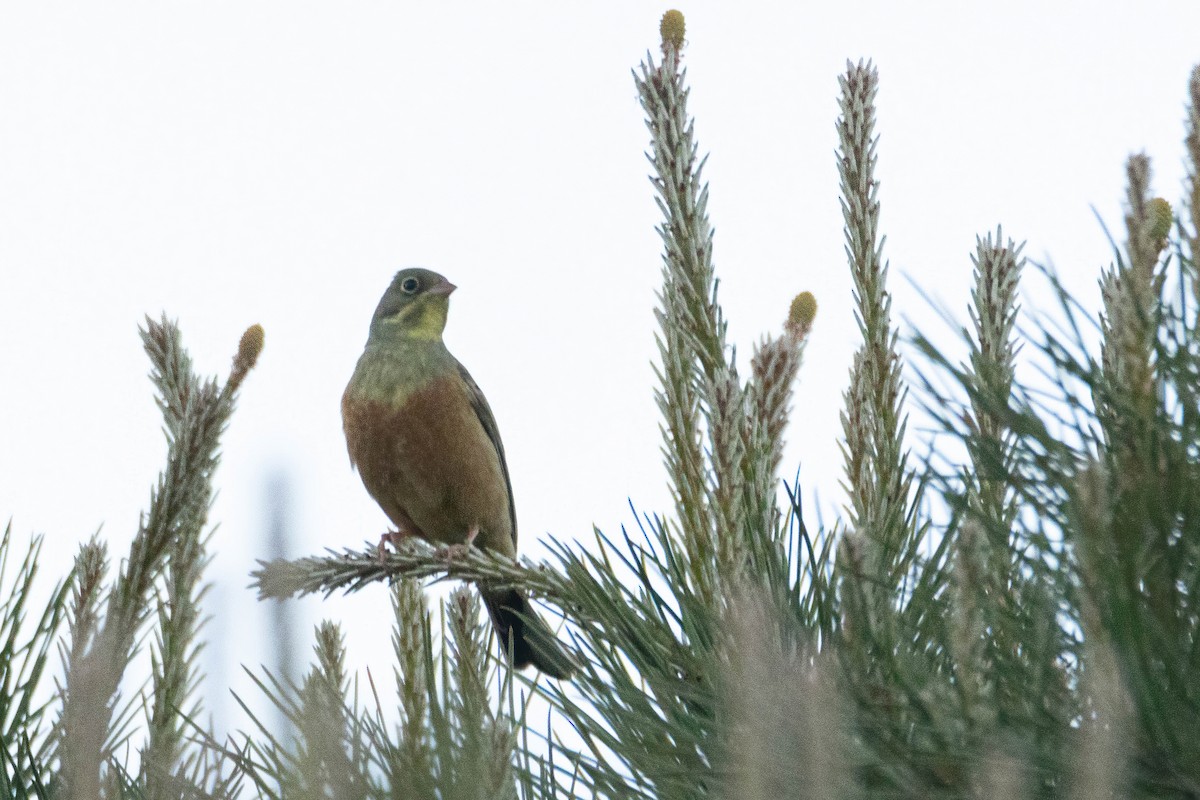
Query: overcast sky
(239, 162)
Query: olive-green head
(414, 306)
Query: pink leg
(405, 528)
(394, 538)
(454, 551)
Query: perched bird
(426, 445)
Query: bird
(425, 442)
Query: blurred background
(231, 163)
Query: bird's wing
(484, 412)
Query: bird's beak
(443, 287)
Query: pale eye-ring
(410, 285)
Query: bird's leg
(455, 551)
(394, 538)
(405, 529)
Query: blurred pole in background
(281, 622)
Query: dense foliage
(1020, 621)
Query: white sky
(241, 162)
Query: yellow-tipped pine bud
(247, 356)
(1160, 219)
(803, 310)
(672, 28)
(250, 346)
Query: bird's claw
(394, 538)
(453, 552)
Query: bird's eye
(410, 285)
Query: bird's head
(414, 306)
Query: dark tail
(531, 640)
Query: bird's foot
(453, 552)
(394, 538)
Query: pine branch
(24, 744)
(327, 768)
(725, 504)
(195, 413)
(988, 576)
(774, 367)
(483, 763)
(887, 583)
(877, 475)
(786, 732)
(412, 647)
(998, 269)
(457, 731)
(1131, 291)
(349, 570)
(692, 332)
(1192, 182)
(174, 673)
